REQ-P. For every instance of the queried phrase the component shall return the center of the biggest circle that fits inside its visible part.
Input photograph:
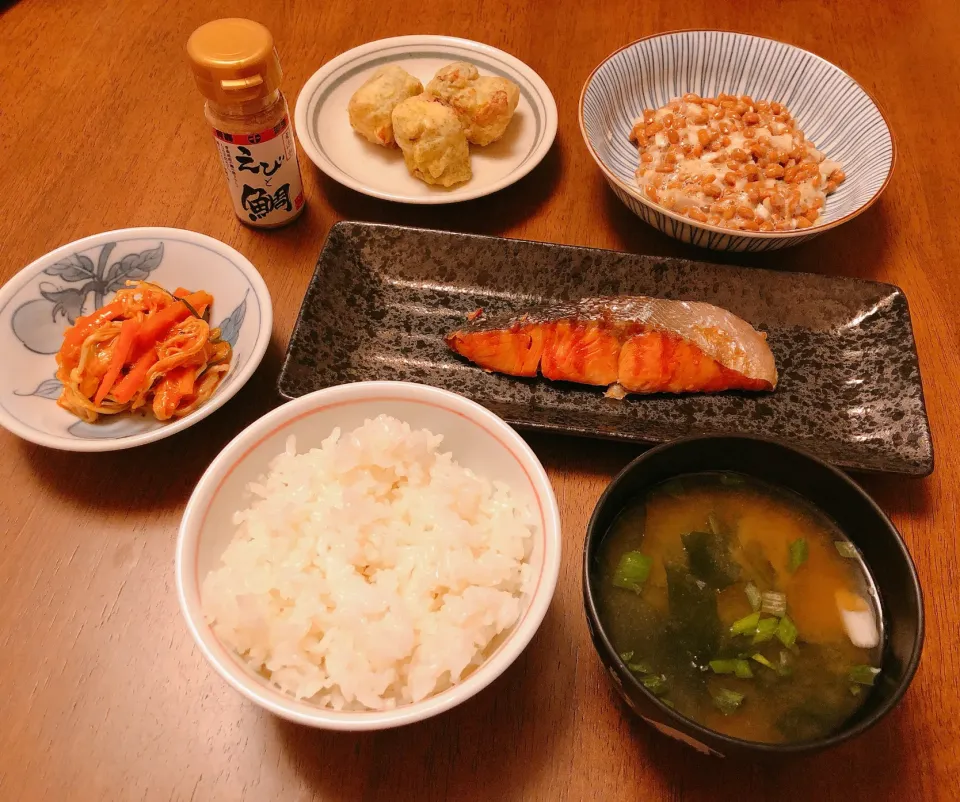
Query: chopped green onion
(753, 596)
(759, 658)
(731, 479)
(713, 523)
(785, 669)
(746, 625)
(798, 553)
(787, 632)
(727, 701)
(640, 668)
(863, 675)
(626, 656)
(736, 666)
(632, 571)
(655, 683)
(855, 690)
(766, 629)
(667, 702)
(773, 603)
(846, 549)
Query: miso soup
(742, 606)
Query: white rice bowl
(371, 572)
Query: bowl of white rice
(368, 555)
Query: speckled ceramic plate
(325, 133)
(382, 297)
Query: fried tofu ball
(485, 104)
(372, 105)
(432, 140)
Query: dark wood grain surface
(103, 695)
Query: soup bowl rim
(594, 537)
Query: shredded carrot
(157, 324)
(83, 327)
(144, 348)
(127, 387)
(79, 331)
(168, 394)
(121, 352)
(187, 380)
(183, 292)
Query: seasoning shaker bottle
(237, 70)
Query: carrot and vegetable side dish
(146, 347)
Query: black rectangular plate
(382, 297)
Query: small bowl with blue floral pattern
(45, 298)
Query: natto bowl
(835, 494)
(837, 114)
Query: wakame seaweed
(808, 720)
(709, 557)
(694, 624)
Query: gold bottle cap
(234, 61)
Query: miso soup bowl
(834, 493)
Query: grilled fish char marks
(645, 345)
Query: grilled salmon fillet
(631, 344)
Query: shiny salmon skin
(631, 344)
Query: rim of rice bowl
(483, 431)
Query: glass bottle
(237, 70)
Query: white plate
(39, 303)
(326, 136)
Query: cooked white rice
(370, 572)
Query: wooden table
(103, 695)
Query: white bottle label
(262, 173)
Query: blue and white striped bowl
(831, 108)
